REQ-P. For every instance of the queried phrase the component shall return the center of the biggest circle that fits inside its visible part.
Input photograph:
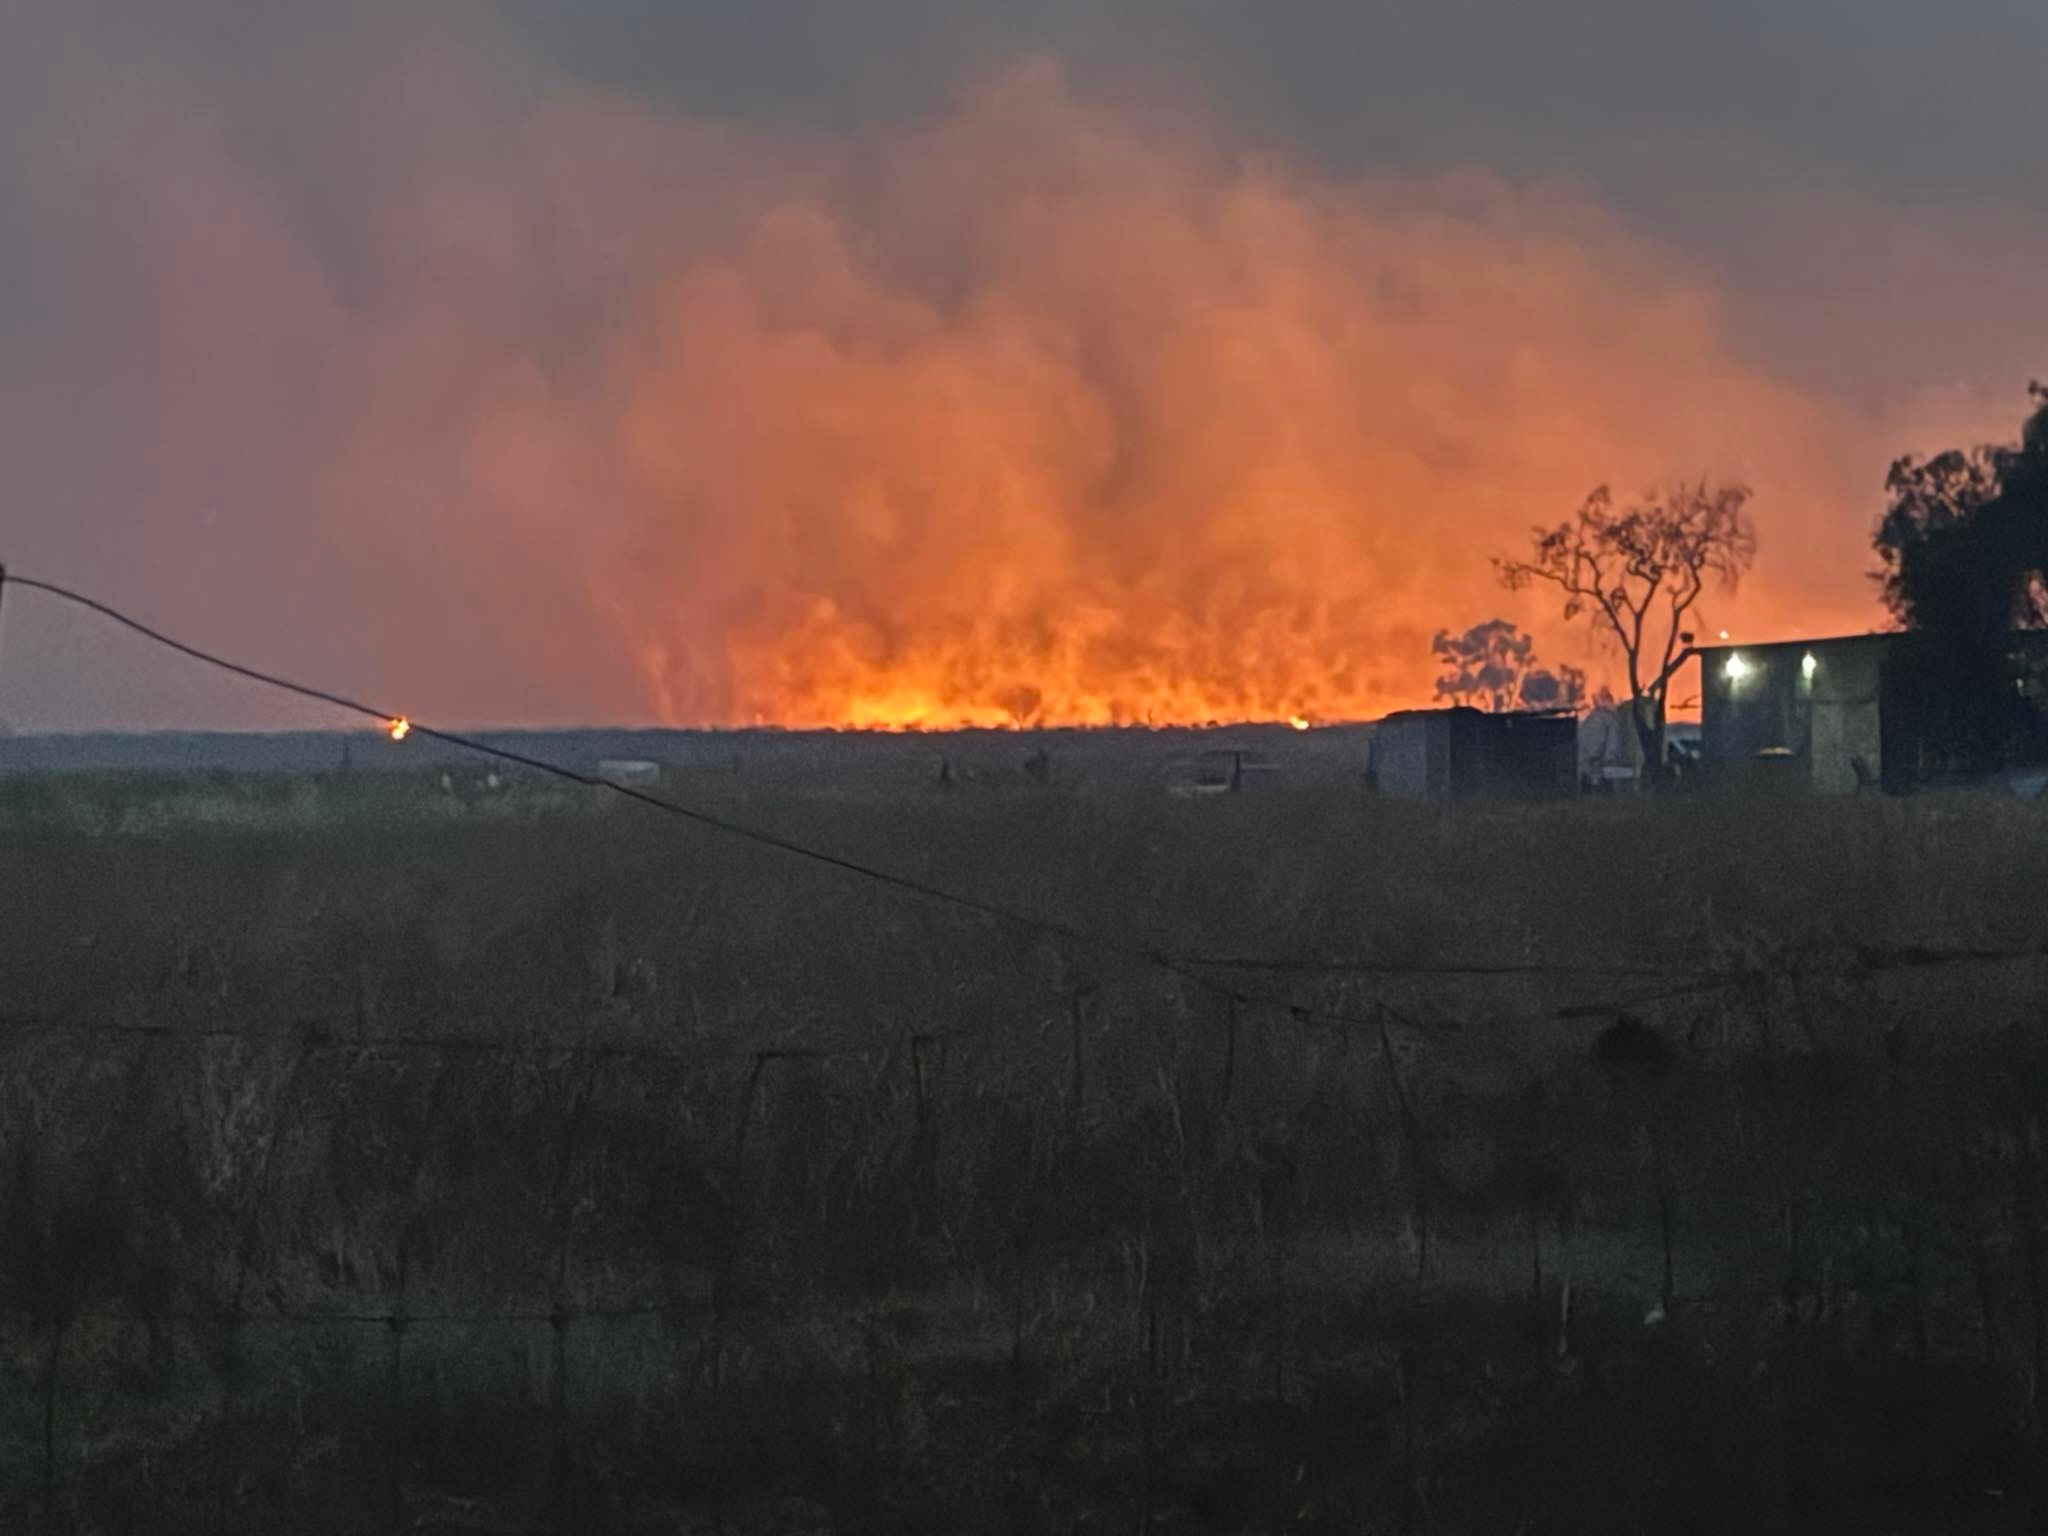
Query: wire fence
(829, 1177)
(747, 1222)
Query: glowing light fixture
(1724, 634)
(1808, 666)
(1736, 667)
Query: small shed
(1460, 753)
(1804, 714)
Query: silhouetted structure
(1854, 712)
(1456, 754)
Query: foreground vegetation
(606, 1173)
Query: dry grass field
(1555, 1168)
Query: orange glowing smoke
(1045, 419)
(1030, 409)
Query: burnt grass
(595, 1172)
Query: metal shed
(1832, 715)
(1459, 753)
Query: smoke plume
(383, 353)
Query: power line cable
(1047, 927)
(1191, 969)
(768, 839)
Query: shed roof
(2025, 639)
(1878, 637)
(1448, 711)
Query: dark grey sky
(1714, 123)
(1941, 98)
(246, 245)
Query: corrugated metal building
(1831, 716)
(1796, 714)
(1455, 754)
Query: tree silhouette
(1493, 666)
(1963, 542)
(1561, 688)
(1963, 552)
(1636, 571)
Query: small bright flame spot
(1736, 667)
(1808, 666)
(1299, 722)
(398, 729)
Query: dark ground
(514, 1169)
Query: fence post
(1078, 1089)
(395, 1443)
(60, 1324)
(1411, 1136)
(561, 1457)
(230, 1351)
(1229, 1058)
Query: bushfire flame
(398, 729)
(1048, 420)
(1025, 410)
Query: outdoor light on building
(1736, 667)
(1808, 666)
